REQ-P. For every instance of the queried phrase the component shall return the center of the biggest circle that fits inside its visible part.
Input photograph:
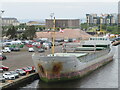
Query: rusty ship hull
(68, 67)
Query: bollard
(9, 81)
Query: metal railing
(94, 55)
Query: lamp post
(53, 38)
(1, 12)
(53, 34)
(51, 15)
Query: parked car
(1, 58)
(41, 50)
(4, 57)
(31, 50)
(29, 45)
(15, 74)
(8, 75)
(14, 49)
(31, 68)
(2, 79)
(11, 48)
(1, 70)
(26, 70)
(21, 72)
(6, 50)
(4, 68)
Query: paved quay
(23, 58)
(14, 83)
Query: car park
(21, 72)
(15, 74)
(8, 75)
(4, 68)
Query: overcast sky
(41, 9)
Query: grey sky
(42, 10)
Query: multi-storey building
(10, 21)
(63, 23)
(102, 19)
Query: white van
(31, 50)
(6, 49)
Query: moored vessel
(75, 62)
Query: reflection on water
(104, 77)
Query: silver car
(8, 75)
(1, 70)
(15, 74)
(20, 72)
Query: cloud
(42, 10)
(59, 0)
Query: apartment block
(101, 19)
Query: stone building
(10, 21)
(63, 23)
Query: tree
(12, 32)
(3, 32)
(30, 32)
(84, 26)
(23, 36)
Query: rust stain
(57, 67)
(41, 69)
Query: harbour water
(104, 77)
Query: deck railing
(94, 55)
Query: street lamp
(51, 15)
(1, 12)
(53, 33)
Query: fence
(92, 56)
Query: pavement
(23, 58)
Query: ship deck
(69, 54)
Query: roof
(63, 19)
(68, 33)
(9, 18)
